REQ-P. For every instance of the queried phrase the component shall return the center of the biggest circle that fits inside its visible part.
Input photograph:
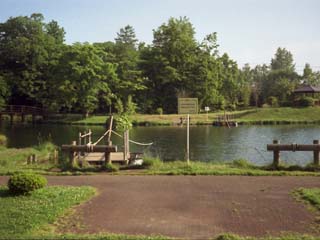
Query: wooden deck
(96, 157)
(100, 157)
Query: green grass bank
(31, 215)
(283, 115)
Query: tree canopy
(38, 68)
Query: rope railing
(138, 143)
(105, 134)
(117, 134)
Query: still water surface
(207, 143)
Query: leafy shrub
(151, 162)
(305, 102)
(273, 101)
(119, 106)
(242, 163)
(24, 183)
(130, 106)
(232, 107)
(109, 167)
(159, 111)
(122, 122)
(3, 140)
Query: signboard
(187, 105)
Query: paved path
(196, 207)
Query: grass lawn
(310, 195)
(237, 167)
(15, 159)
(27, 216)
(283, 115)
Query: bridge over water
(22, 111)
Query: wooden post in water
(188, 133)
(316, 154)
(276, 155)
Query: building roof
(307, 89)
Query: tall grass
(16, 159)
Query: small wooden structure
(225, 120)
(93, 153)
(74, 150)
(276, 147)
(308, 90)
(22, 111)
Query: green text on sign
(187, 105)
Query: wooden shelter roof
(307, 89)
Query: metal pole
(316, 154)
(188, 135)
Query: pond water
(207, 143)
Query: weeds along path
(194, 207)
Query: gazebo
(308, 90)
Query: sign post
(207, 109)
(187, 105)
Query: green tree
(168, 64)
(207, 70)
(81, 77)
(310, 77)
(127, 57)
(245, 85)
(4, 91)
(283, 61)
(230, 77)
(282, 78)
(28, 48)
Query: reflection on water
(207, 143)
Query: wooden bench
(276, 147)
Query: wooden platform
(99, 157)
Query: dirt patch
(193, 207)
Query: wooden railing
(74, 149)
(22, 109)
(276, 147)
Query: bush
(305, 102)
(273, 101)
(150, 162)
(119, 106)
(159, 111)
(24, 183)
(130, 106)
(242, 163)
(109, 167)
(3, 140)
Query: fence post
(276, 155)
(125, 146)
(79, 143)
(107, 156)
(89, 135)
(71, 153)
(316, 154)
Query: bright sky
(250, 31)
